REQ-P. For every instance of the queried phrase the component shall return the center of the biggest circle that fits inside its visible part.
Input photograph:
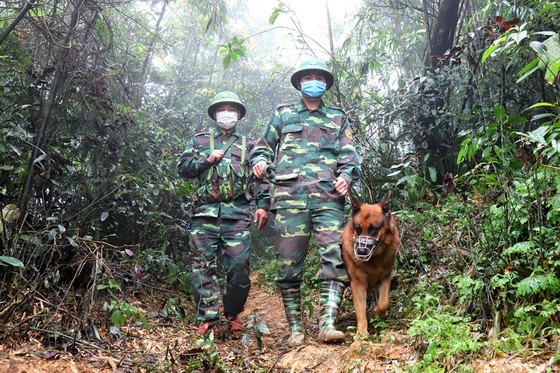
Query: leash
(270, 176)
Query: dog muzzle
(364, 247)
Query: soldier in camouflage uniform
(219, 161)
(309, 146)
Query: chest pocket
(292, 136)
(327, 136)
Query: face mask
(313, 88)
(226, 119)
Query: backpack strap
(229, 143)
(243, 146)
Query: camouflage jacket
(307, 145)
(193, 164)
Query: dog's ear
(385, 206)
(354, 202)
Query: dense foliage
(99, 98)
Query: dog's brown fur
(375, 221)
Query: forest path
(174, 347)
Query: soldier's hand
(216, 155)
(258, 169)
(341, 186)
(261, 218)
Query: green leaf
(536, 284)
(275, 13)
(11, 261)
(433, 174)
(492, 48)
(521, 248)
(499, 113)
(262, 328)
(226, 61)
(530, 68)
(73, 243)
(518, 36)
(540, 104)
(117, 318)
(31, 239)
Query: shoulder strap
(229, 143)
(243, 146)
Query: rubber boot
(292, 305)
(330, 295)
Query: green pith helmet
(226, 97)
(312, 64)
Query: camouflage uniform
(304, 146)
(220, 225)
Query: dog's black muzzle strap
(364, 247)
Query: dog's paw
(361, 336)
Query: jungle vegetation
(454, 106)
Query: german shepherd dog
(370, 241)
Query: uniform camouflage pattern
(220, 227)
(308, 145)
(230, 240)
(193, 164)
(293, 229)
(305, 146)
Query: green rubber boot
(330, 294)
(292, 305)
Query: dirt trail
(168, 346)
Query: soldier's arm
(260, 187)
(262, 199)
(348, 164)
(193, 162)
(266, 144)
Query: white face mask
(226, 119)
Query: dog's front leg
(359, 293)
(383, 302)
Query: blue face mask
(313, 88)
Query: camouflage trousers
(293, 229)
(228, 241)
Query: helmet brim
(212, 109)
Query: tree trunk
(57, 82)
(435, 136)
(443, 32)
(28, 5)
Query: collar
(217, 133)
(302, 107)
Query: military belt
(270, 175)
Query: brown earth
(171, 346)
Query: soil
(172, 346)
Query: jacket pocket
(292, 135)
(328, 137)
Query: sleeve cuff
(346, 177)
